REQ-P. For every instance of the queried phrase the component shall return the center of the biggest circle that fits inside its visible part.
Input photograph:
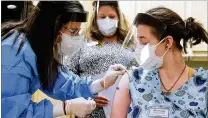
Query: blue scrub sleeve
(16, 95)
(69, 86)
(22, 106)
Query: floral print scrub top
(189, 101)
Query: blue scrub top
(20, 80)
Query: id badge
(157, 110)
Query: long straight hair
(42, 28)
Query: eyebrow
(141, 37)
(111, 14)
(101, 13)
(75, 28)
(72, 28)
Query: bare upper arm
(122, 99)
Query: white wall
(196, 9)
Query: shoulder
(91, 45)
(13, 42)
(138, 72)
(124, 81)
(201, 71)
(10, 47)
(91, 42)
(12, 58)
(200, 77)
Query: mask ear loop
(160, 42)
(165, 52)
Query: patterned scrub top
(95, 59)
(189, 101)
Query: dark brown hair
(187, 30)
(41, 29)
(123, 26)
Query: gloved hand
(112, 74)
(80, 106)
(109, 79)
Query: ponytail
(194, 32)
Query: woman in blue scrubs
(28, 64)
(163, 86)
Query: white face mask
(70, 44)
(146, 57)
(137, 52)
(107, 26)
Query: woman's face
(71, 28)
(145, 36)
(107, 11)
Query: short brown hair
(178, 28)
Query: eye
(141, 40)
(111, 17)
(74, 32)
(103, 17)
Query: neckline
(191, 76)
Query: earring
(166, 47)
